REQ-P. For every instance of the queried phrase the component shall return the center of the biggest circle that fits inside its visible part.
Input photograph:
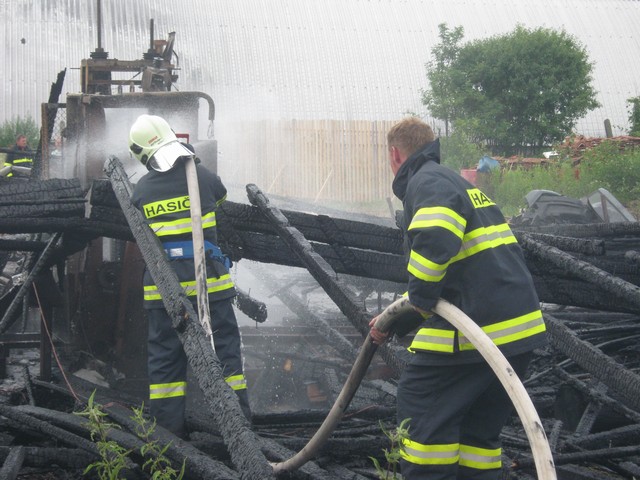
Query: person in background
(162, 195)
(461, 250)
(20, 156)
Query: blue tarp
(486, 164)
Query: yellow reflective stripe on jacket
(223, 199)
(236, 382)
(167, 390)
(18, 161)
(480, 458)
(479, 199)
(6, 164)
(169, 205)
(181, 225)
(425, 269)
(443, 217)
(473, 242)
(433, 339)
(420, 454)
(214, 284)
(484, 238)
(509, 331)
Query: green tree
(458, 152)
(10, 129)
(439, 99)
(526, 88)
(634, 116)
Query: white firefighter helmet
(154, 144)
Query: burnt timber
(585, 385)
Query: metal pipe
(99, 21)
(151, 33)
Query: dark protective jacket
(461, 249)
(163, 198)
(19, 157)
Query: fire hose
(199, 257)
(542, 456)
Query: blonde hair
(409, 135)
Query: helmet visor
(165, 157)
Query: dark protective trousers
(457, 413)
(167, 363)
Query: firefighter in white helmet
(162, 196)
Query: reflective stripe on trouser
(226, 338)
(167, 362)
(167, 370)
(457, 413)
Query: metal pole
(99, 21)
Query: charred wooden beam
(587, 472)
(353, 247)
(221, 400)
(602, 230)
(22, 245)
(12, 464)
(86, 228)
(53, 189)
(197, 465)
(371, 250)
(262, 245)
(252, 308)
(552, 288)
(598, 396)
(612, 374)
(318, 228)
(68, 458)
(593, 456)
(590, 414)
(337, 290)
(311, 471)
(632, 257)
(8, 316)
(585, 246)
(616, 437)
(25, 422)
(59, 198)
(239, 218)
(584, 271)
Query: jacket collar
(429, 152)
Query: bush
(603, 166)
(10, 129)
(619, 172)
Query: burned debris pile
(585, 385)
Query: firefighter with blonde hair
(462, 250)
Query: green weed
(393, 454)
(114, 458)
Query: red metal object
(469, 174)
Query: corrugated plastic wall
(295, 59)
